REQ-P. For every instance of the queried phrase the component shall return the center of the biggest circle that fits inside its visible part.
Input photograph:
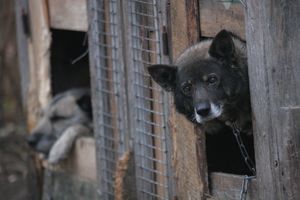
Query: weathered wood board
(189, 156)
(68, 14)
(229, 186)
(273, 35)
(216, 15)
(39, 89)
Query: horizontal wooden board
(216, 15)
(68, 14)
(229, 186)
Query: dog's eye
(57, 118)
(212, 79)
(186, 88)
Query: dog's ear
(164, 75)
(84, 102)
(222, 46)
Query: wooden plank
(216, 15)
(100, 68)
(61, 186)
(36, 92)
(158, 131)
(273, 32)
(229, 186)
(191, 178)
(39, 91)
(22, 45)
(68, 14)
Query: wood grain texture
(68, 14)
(216, 15)
(125, 186)
(191, 181)
(228, 186)
(39, 89)
(21, 10)
(273, 35)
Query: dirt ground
(15, 180)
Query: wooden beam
(68, 14)
(39, 88)
(21, 9)
(216, 15)
(273, 35)
(188, 146)
(229, 186)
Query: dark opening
(224, 155)
(69, 61)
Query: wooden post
(189, 156)
(39, 86)
(273, 35)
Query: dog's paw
(62, 147)
(59, 151)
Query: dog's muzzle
(206, 111)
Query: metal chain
(247, 159)
(243, 2)
(244, 152)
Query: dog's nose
(32, 140)
(202, 109)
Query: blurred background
(14, 157)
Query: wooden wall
(273, 35)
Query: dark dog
(210, 83)
(67, 116)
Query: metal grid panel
(108, 86)
(150, 134)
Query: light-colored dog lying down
(68, 116)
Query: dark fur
(210, 82)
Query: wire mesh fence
(108, 77)
(147, 118)
(150, 139)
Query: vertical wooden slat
(273, 35)
(21, 11)
(111, 101)
(39, 90)
(188, 146)
(157, 129)
(22, 36)
(108, 89)
(33, 48)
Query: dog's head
(206, 79)
(66, 109)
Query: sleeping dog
(68, 116)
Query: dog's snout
(203, 109)
(32, 140)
